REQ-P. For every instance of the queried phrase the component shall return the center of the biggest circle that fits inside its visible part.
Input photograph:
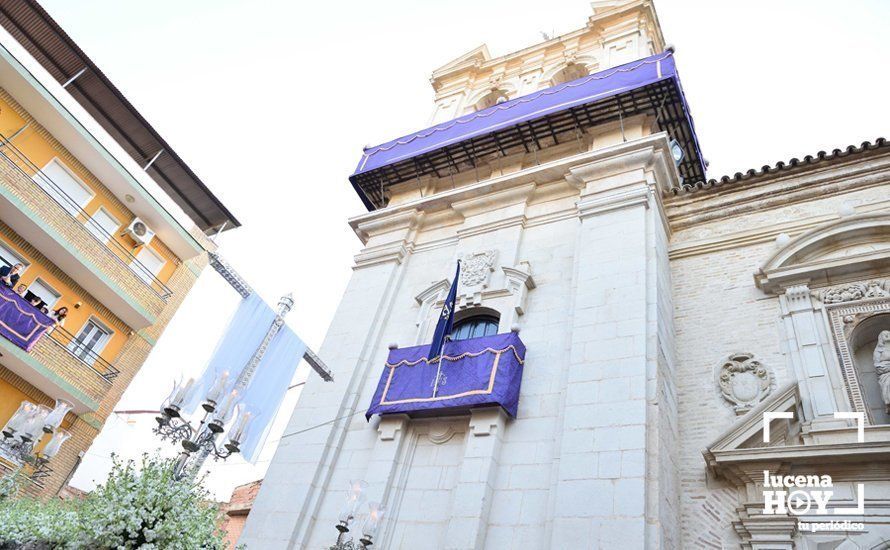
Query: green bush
(140, 508)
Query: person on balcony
(21, 289)
(58, 316)
(9, 276)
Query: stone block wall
(721, 237)
(590, 458)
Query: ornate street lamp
(25, 430)
(199, 440)
(354, 500)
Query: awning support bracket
(75, 77)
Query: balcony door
(103, 225)
(48, 294)
(8, 258)
(90, 341)
(148, 264)
(64, 187)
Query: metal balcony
(79, 351)
(119, 253)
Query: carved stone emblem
(744, 381)
(476, 268)
(855, 291)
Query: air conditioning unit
(139, 231)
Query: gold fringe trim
(25, 313)
(511, 347)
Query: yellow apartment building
(108, 222)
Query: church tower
(544, 173)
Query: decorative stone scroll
(744, 381)
(853, 292)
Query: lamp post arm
(237, 282)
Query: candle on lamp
(54, 418)
(33, 423)
(354, 498)
(218, 388)
(52, 448)
(241, 427)
(17, 419)
(228, 405)
(182, 393)
(376, 511)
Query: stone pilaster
(805, 340)
(300, 474)
(472, 496)
(616, 467)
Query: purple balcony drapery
(20, 322)
(587, 89)
(477, 372)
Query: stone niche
(834, 293)
(870, 363)
(858, 314)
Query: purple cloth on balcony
(475, 372)
(588, 89)
(20, 322)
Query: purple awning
(400, 159)
(20, 322)
(477, 372)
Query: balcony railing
(84, 354)
(20, 162)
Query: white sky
(271, 102)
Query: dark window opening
(475, 327)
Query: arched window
(572, 71)
(475, 327)
(491, 99)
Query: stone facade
(662, 322)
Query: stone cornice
(777, 190)
(393, 221)
(799, 261)
(483, 203)
(750, 459)
(613, 200)
(395, 252)
(657, 145)
(761, 234)
(517, 220)
(646, 159)
(785, 398)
